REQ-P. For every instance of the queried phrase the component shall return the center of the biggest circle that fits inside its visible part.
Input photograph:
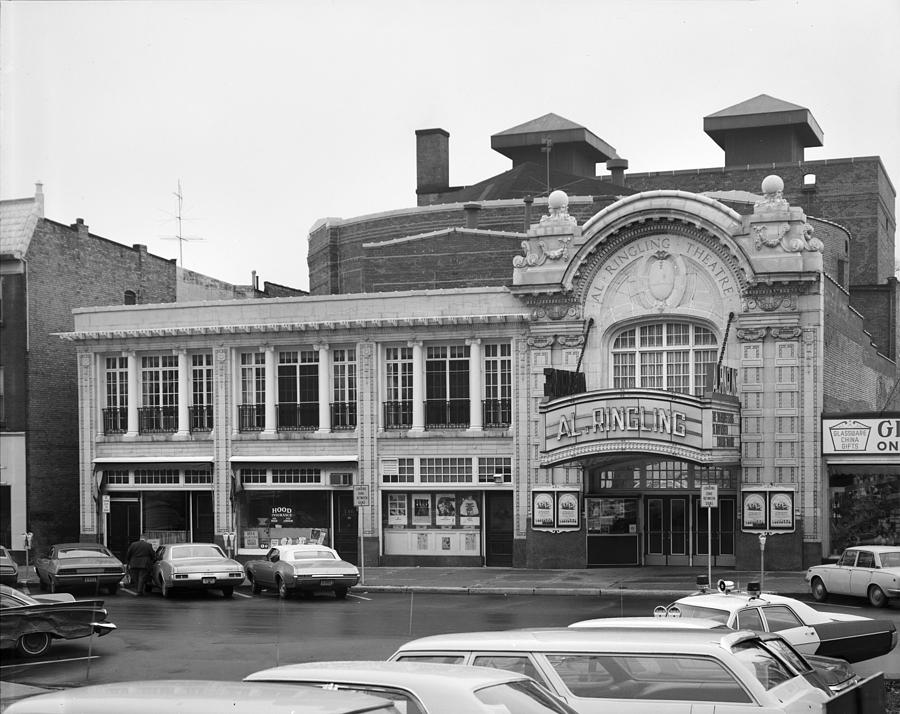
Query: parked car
(418, 688)
(303, 569)
(194, 566)
(29, 625)
(834, 674)
(184, 696)
(79, 565)
(9, 569)
(661, 670)
(869, 571)
(851, 637)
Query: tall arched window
(673, 356)
(130, 297)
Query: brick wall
(68, 268)
(858, 378)
(12, 352)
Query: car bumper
(86, 579)
(102, 628)
(324, 582)
(203, 581)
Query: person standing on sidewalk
(139, 557)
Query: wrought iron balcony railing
(115, 420)
(343, 416)
(251, 417)
(157, 420)
(496, 413)
(297, 416)
(398, 415)
(447, 414)
(201, 417)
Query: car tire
(228, 592)
(164, 589)
(876, 595)
(34, 644)
(255, 587)
(818, 590)
(283, 591)
(340, 593)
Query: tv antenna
(180, 237)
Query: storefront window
(608, 516)
(282, 517)
(178, 516)
(421, 523)
(865, 510)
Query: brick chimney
(617, 168)
(472, 210)
(79, 225)
(432, 162)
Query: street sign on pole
(709, 499)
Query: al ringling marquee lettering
(625, 419)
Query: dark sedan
(79, 565)
(29, 625)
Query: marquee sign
(861, 436)
(595, 421)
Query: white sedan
(194, 566)
(831, 634)
(869, 571)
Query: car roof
(876, 548)
(409, 675)
(623, 639)
(734, 601)
(687, 623)
(303, 547)
(87, 545)
(190, 543)
(197, 697)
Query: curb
(493, 590)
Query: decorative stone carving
(540, 342)
(554, 312)
(770, 235)
(570, 340)
(769, 302)
(751, 334)
(775, 223)
(540, 251)
(785, 333)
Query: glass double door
(676, 533)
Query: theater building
(644, 351)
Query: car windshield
(891, 559)
(312, 555)
(707, 613)
(82, 552)
(195, 551)
(762, 664)
(521, 697)
(19, 599)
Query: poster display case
(438, 523)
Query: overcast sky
(275, 114)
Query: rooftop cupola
(763, 130)
(572, 148)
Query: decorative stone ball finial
(557, 200)
(772, 184)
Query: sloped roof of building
(18, 218)
(530, 179)
(556, 128)
(764, 111)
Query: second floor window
(398, 387)
(343, 410)
(298, 389)
(673, 356)
(159, 393)
(115, 415)
(447, 386)
(497, 385)
(252, 409)
(201, 392)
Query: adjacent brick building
(46, 270)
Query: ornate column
(475, 384)
(184, 393)
(418, 385)
(133, 387)
(324, 390)
(271, 391)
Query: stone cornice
(560, 456)
(323, 326)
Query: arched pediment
(698, 218)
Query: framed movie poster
(469, 511)
(768, 508)
(397, 509)
(445, 509)
(421, 509)
(754, 509)
(555, 509)
(567, 510)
